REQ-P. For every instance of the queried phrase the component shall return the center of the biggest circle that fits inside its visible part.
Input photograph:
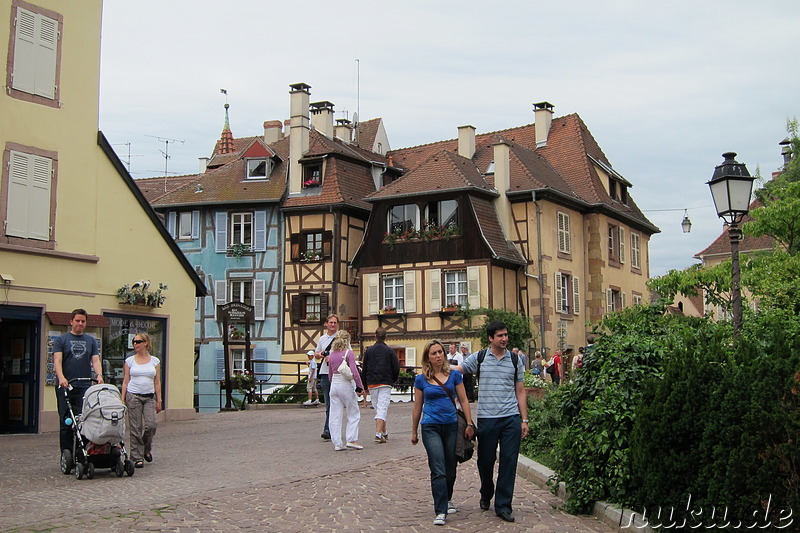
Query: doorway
(19, 364)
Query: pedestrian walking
(141, 393)
(323, 351)
(502, 418)
(381, 369)
(344, 399)
(433, 402)
(311, 385)
(75, 356)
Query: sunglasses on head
(138, 341)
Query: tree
(779, 214)
(714, 281)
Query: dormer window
(312, 175)
(618, 191)
(258, 169)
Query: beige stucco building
(75, 228)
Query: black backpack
(482, 356)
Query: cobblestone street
(258, 471)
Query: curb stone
(607, 513)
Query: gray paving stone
(259, 471)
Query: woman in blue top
(439, 423)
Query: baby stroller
(98, 431)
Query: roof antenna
(165, 153)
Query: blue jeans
(440, 444)
(508, 432)
(325, 384)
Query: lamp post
(731, 186)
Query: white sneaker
(338, 448)
(315, 402)
(355, 446)
(440, 519)
(451, 508)
(307, 402)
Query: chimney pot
(543, 118)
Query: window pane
(237, 357)
(257, 168)
(185, 225)
(455, 287)
(402, 218)
(393, 292)
(448, 211)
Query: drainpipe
(540, 263)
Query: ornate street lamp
(686, 224)
(731, 186)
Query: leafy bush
(599, 404)
(294, 393)
(546, 425)
(723, 424)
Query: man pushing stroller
(75, 355)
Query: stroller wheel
(79, 471)
(129, 468)
(89, 470)
(66, 462)
(119, 469)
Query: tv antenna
(128, 161)
(165, 153)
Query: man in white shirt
(323, 350)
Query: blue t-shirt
(76, 354)
(437, 408)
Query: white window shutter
(436, 289)
(221, 231)
(621, 245)
(410, 291)
(373, 293)
(258, 299)
(172, 223)
(559, 292)
(195, 224)
(25, 52)
(39, 218)
(18, 195)
(411, 356)
(609, 300)
(474, 287)
(624, 300)
(220, 356)
(576, 295)
(260, 233)
(220, 294)
(46, 48)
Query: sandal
(148, 457)
(139, 464)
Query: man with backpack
(323, 351)
(502, 417)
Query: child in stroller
(98, 432)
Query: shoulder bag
(465, 448)
(344, 368)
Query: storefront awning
(62, 319)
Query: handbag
(465, 447)
(344, 368)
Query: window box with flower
(139, 295)
(452, 307)
(428, 233)
(312, 255)
(388, 310)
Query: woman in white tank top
(141, 393)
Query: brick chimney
(273, 131)
(502, 182)
(298, 133)
(543, 118)
(322, 118)
(466, 141)
(344, 130)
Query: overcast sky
(665, 88)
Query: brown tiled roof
(348, 177)
(225, 183)
(366, 132)
(563, 164)
(492, 231)
(155, 188)
(440, 172)
(722, 244)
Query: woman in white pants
(344, 401)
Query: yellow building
(76, 229)
(532, 219)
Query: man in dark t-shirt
(75, 355)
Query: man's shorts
(311, 385)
